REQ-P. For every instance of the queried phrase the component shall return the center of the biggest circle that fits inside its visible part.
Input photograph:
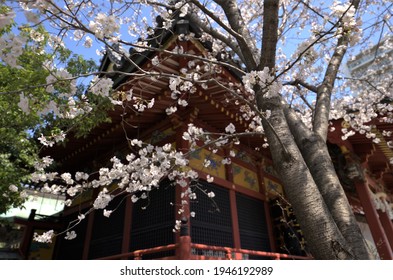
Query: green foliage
(18, 151)
(18, 148)
(83, 124)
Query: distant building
(372, 62)
(39, 207)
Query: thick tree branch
(317, 158)
(246, 42)
(322, 107)
(270, 35)
(216, 19)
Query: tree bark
(316, 155)
(324, 92)
(323, 237)
(244, 39)
(270, 34)
(310, 182)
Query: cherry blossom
(46, 237)
(70, 235)
(310, 38)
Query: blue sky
(90, 53)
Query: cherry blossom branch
(216, 34)
(308, 6)
(285, 19)
(363, 80)
(217, 20)
(298, 82)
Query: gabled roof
(210, 106)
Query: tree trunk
(323, 237)
(316, 155)
(303, 163)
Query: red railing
(233, 253)
(230, 253)
(137, 255)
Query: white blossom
(230, 128)
(36, 35)
(101, 86)
(13, 188)
(107, 213)
(23, 194)
(88, 42)
(70, 235)
(211, 194)
(104, 25)
(24, 103)
(155, 61)
(102, 199)
(81, 176)
(68, 202)
(226, 161)
(177, 226)
(170, 110)
(43, 163)
(32, 17)
(182, 102)
(46, 237)
(44, 141)
(11, 47)
(73, 190)
(67, 178)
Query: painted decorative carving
(381, 203)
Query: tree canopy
(23, 121)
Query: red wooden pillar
(235, 223)
(269, 222)
(182, 212)
(377, 231)
(89, 230)
(127, 226)
(233, 205)
(268, 215)
(182, 237)
(184, 249)
(387, 225)
(28, 233)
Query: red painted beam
(127, 226)
(387, 225)
(89, 230)
(377, 230)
